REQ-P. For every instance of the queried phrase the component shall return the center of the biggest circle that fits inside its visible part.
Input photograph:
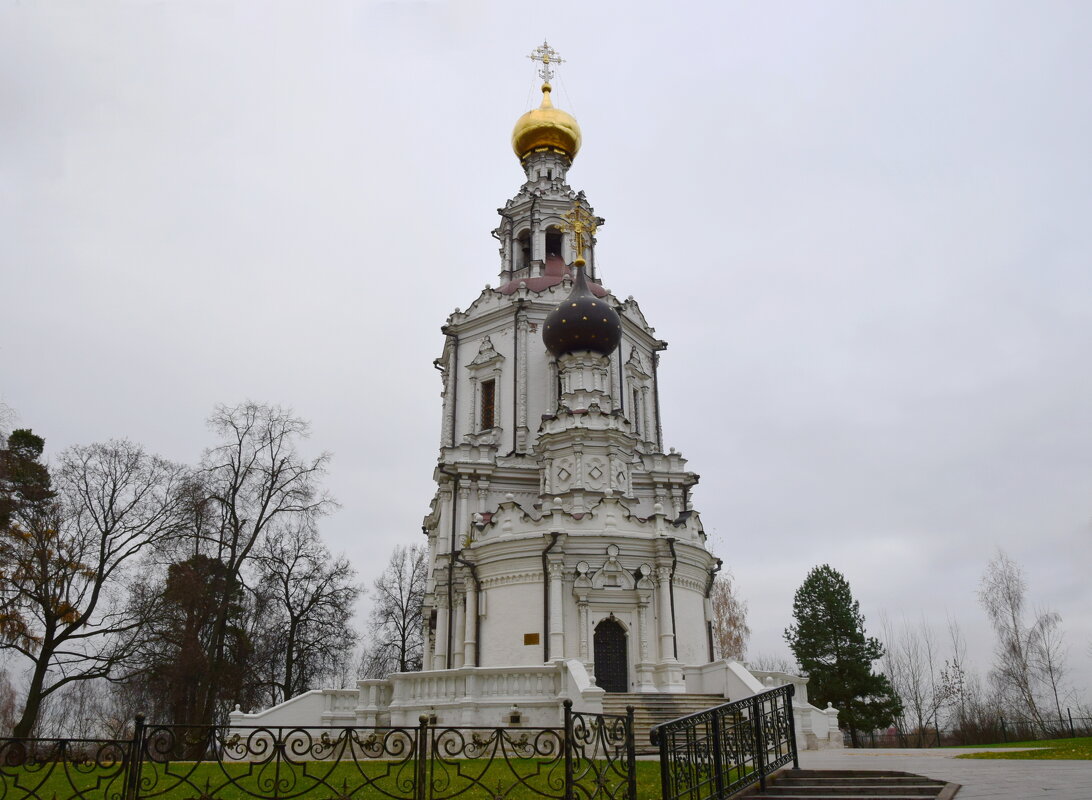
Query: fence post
(718, 766)
(792, 726)
(421, 751)
(135, 757)
(1004, 736)
(659, 740)
(568, 744)
(760, 743)
(1072, 734)
(631, 754)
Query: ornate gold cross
(547, 55)
(581, 224)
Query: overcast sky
(864, 228)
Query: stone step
(651, 709)
(871, 789)
(800, 784)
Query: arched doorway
(611, 663)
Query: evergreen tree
(26, 496)
(829, 642)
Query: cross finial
(581, 223)
(547, 55)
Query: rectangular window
(636, 411)
(489, 400)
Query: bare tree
(395, 642)
(1049, 657)
(765, 662)
(255, 481)
(310, 596)
(8, 707)
(1017, 655)
(954, 680)
(730, 631)
(72, 562)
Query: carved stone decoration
(562, 475)
(487, 354)
(611, 575)
(596, 473)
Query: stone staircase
(814, 784)
(654, 709)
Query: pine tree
(829, 642)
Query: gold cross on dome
(547, 55)
(580, 223)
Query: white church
(566, 559)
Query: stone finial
(658, 508)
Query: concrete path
(979, 778)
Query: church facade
(565, 557)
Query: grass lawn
(469, 778)
(1079, 748)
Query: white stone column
(646, 428)
(447, 509)
(645, 670)
(470, 638)
(426, 641)
(439, 658)
(473, 413)
(522, 329)
(462, 513)
(582, 606)
(667, 630)
(460, 629)
(557, 613)
(448, 433)
(642, 627)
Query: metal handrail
(715, 753)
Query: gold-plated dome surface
(546, 128)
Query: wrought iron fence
(720, 751)
(591, 757)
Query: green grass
(1079, 748)
(469, 778)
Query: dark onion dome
(582, 322)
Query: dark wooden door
(611, 664)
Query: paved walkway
(993, 778)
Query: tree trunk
(23, 728)
(290, 661)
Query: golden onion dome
(546, 129)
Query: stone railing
(475, 695)
(468, 696)
(318, 707)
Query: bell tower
(559, 526)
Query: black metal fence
(591, 757)
(993, 729)
(720, 751)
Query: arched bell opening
(521, 255)
(555, 239)
(611, 657)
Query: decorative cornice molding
(512, 579)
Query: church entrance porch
(611, 659)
